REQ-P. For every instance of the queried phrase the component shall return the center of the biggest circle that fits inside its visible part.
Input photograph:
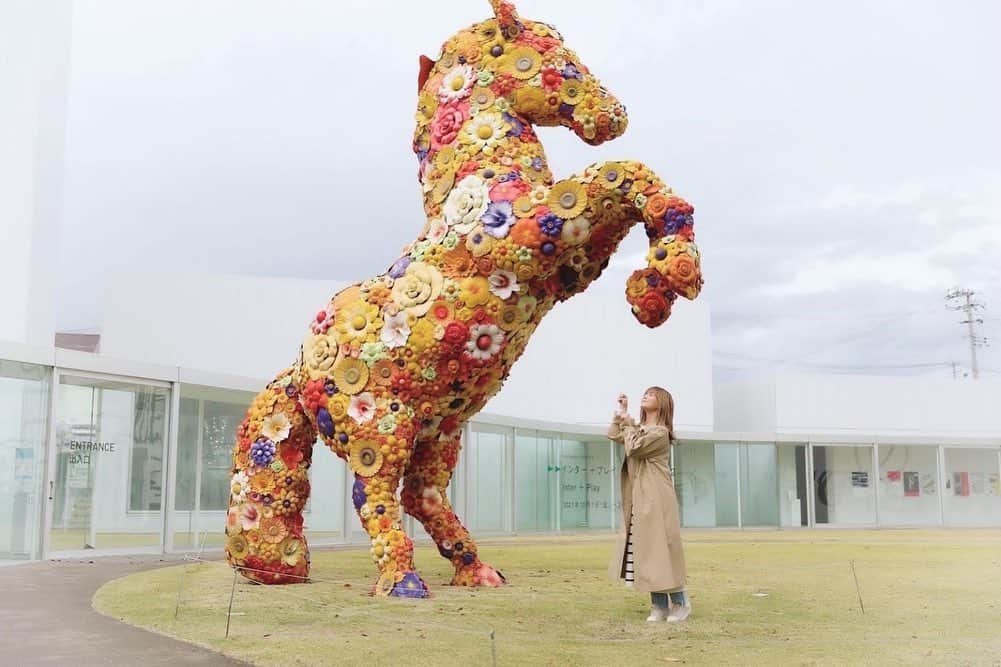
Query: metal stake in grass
(232, 592)
(857, 589)
(180, 583)
(493, 648)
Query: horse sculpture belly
(393, 367)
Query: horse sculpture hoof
(478, 574)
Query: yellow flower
(482, 98)
(567, 199)
(611, 175)
(510, 318)
(366, 459)
(237, 547)
(572, 91)
(292, 550)
(521, 62)
(418, 288)
(531, 101)
(354, 320)
(350, 375)
(475, 291)
(320, 353)
(337, 406)
(422, 335)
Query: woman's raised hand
(623, 404)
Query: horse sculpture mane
(393, 367)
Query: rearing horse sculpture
(393, 367)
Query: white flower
(456, 83)
(503, 283)
(276, 427)
(395, 330)
(238, 486)
(436, 231)
(362, 407)
(484, 341)
(484, 130)
(576, 231)
(466, 202)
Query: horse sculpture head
(541, 81)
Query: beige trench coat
(648, 493)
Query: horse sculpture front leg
(425, 498)
(618, 195)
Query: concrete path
(46, 618)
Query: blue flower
(498, 218)
(262, 452)
(324, 422)
(674, 220)
(358, 493)
(551, 224)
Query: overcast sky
(844, 158)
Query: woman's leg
(679, 597)
(660, 600)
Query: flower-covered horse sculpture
(393, 367)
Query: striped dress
(630, 567)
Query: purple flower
(537, 163)
(675, 220)
(358, 493)
(498, 219)
(516, 125)
(571, 72)
(411, 586)
(262, 452)
(551, 224)
(291, 391)
(399, 267)
(509, 176)
(566, 110)
(324, 422)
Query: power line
(964, 301)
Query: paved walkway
(46, 618)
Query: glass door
(108, 471)
(24, 399)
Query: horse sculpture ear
(422, 76)
(507, 17)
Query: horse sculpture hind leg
(270, 487)
(425, 498)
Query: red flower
(551, 78)
(509, 190)
(449, 424)
(503, 84)
(291, 456)
(456, 333)
(466, 169)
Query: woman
(649, 557)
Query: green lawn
(931, 597)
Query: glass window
(24, 398)
(535, 481)
(843, 485)
(908, 485)
(489, 498)
(726, 462)
(209, 417)
(759, 504)
(793, 503)
(695, 483)
(972, 487)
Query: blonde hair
(665, 409)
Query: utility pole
(963, 299)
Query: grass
(931, 597)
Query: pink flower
(362, 407)
(447, 122)
(250, 516)
(509, 190)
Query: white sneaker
(657, 614)
(679, 612)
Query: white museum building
(128, 450)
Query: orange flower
(656, 206)
(683, 272)
(458, 261)
(527, 233)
